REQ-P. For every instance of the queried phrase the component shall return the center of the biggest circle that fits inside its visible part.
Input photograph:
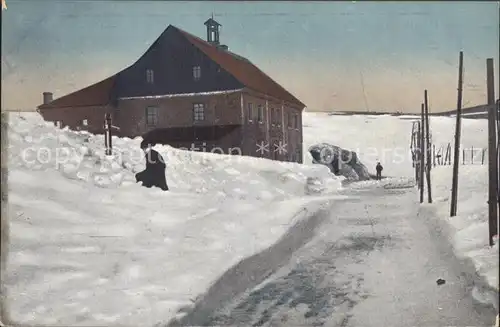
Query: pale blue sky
(331, 55)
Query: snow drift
(89, 246)
(469, 229)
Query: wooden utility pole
(492, 153)
(428, 148)
(498, 139)
(422, 153)
(456, 154)
(498, 151)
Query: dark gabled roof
(212, 22)
(97, 94)
(241, 68)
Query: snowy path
(375, 262)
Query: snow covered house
(188, 92)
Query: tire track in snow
(320, 289)
(314, 292)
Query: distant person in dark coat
(154, 174)
(379, 169)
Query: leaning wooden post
(422, 154)
(449, 154)
(412, 146)
(428, 147)
(492, 153)
(434, 155)
(456, 154)
(445, 162)
(107, 134)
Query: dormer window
(196, 73)
(150, 76)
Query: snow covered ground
(88, 244)
(387, 138)
(469, 229)
(374, 262)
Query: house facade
(188, 92)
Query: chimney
(47, 97)
(223, 47)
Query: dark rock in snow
(340, 161)
(440, 281)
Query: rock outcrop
(340, 161)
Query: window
(260, 113)
(85, 122)
(290, 117)
(250, 112)
(275, 116)
(198, 111)
(150, 76)
(296, 121)
(196, 72)
(151, 116)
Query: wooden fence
(442, 156)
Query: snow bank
(470, 227)
(37, 145)
(89, 246)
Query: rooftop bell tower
(212, 31)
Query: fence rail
(442, 156)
